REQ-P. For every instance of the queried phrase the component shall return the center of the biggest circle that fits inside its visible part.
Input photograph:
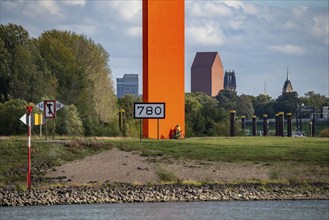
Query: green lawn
(308, 152)
(256, 149)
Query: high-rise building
(207, 73)
(230, 81)
(127, 85)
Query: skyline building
(207, 73)
(230, 81)
(287, 87)
(127, 85)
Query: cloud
(134, 32)
(41, 10)
(50, 7)
(246, 7)
(127, 10)
(320, 28)
(287, 49)
(206, 34)
(75, 2)
(209, 9)
(251, 36)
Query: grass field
(312, 154)
(255, 149)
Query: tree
(263, 104)
(244, 106)
(81, 68)
(316, 100)
(287, 102)
(265, 108)
(4, 72)
(127, 103)
(23, 73)
(203, 115)
(68, 121)
(227, 99)
(10, 112)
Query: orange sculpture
(163, 64)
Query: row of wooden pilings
(279, 124)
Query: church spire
(287, 87)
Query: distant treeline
(74, 70)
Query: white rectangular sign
(149, 110)
(50, 108)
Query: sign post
(30, 119)
(149, 110)
(49, 108)
(28, 179)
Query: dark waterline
(300, 209)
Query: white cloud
(299, 11)
(128, 10)
(134, 32)
(290, 26)
(42, 10)
(247, 7)
(287, 49)
(319, 27)
(206, 34)
(50, 7)
(236, 24)
(209, 9)
(75, 2)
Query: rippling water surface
(301, 209)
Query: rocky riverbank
(126, 193)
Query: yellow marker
(37, 119)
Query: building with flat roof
(127, 85)
(207, 73)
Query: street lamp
(297, 116)
(300, 116)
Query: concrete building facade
(207, 73)
(127, 85)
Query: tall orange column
(163, 63)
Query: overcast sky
(258, 39)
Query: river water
(300, 209)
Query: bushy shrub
(68, 121)
(324, 132)
(10, 113)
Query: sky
(259, 40)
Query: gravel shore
(127, 193)
(130, 167)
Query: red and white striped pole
(29, 120)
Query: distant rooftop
(203, 59)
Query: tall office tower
(127, 85)
(230, 81)
(207, 73)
